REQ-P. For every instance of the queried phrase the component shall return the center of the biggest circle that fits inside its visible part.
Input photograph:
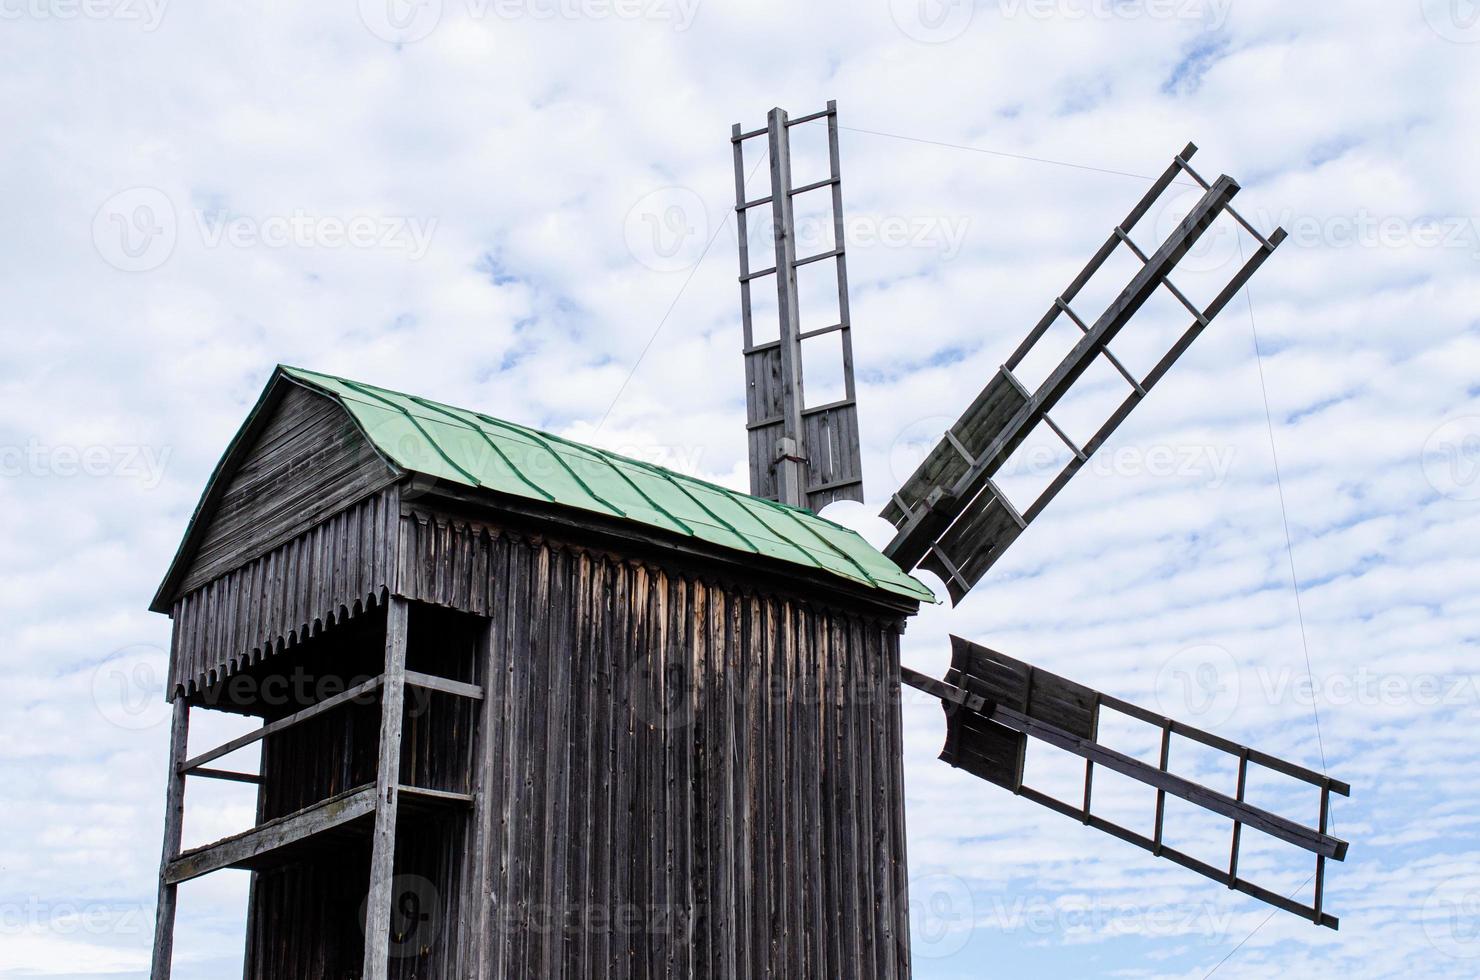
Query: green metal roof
(476, 450)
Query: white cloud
(521, 145)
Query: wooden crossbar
(258, 734)
(273, 835)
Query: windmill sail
(951, 515)
(803, 453)
(994, 704)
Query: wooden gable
(298, 460)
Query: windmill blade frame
(952, 517)
(994, 704)
(802, 454)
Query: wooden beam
(387, 782)
(276, 726)
(236, 777)
(260, 841)
(476, 922)
(431, 682)
(174, 821)
(787, 459)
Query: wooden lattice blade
(952, 517)
(994, 704)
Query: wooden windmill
(953, 518)
(532, 708)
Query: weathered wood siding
(676, 777)
(685, 778)
(333, 571)
(309, 461)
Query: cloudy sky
(524, 206)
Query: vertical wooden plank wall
(676, 776)
(685, 778)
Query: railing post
(174, 820)
(387, 782)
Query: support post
(174, 820)
(479, 923)
(790, 473)
(387, 780)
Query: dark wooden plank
(387, 783)
(174, 816)
(262, 841)
(282, 724)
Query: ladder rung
(818, 257)
(1130, 378)
(1199, 314)
(808, 334)
(1125, 237)
(1187, 168)
(812, 187)
(750, 135)
(747, 205)
(1016, 383)
(829, 406)
(1067, 441)
(1264, 243)
(1011, 510)
(956, 445)
(756, 275)
(820, 114)
(1104, 349)
(1067, 309)
(950, 567)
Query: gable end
(299, 459)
